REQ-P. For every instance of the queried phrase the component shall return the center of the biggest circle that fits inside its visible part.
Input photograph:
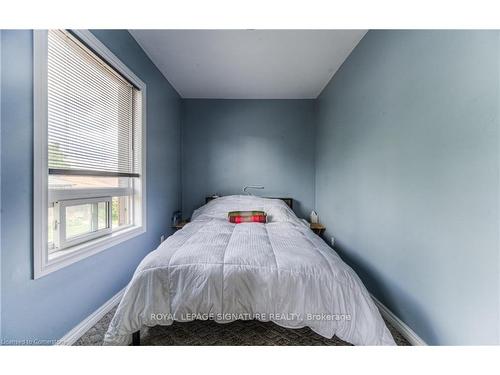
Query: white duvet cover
(280, 272)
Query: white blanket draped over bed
(280, 272)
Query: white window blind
(94, 113)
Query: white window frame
(61, 239)
(43, 262)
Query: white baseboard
(401, 326)
(72, 336)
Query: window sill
(64, 258)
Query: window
(89, 149)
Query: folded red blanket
(247, 217)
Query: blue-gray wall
(407, 177)
(227, 144)
(48, 307)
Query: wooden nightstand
(317, 228)
(180, 225)
(211, 198)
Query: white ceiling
(248, 64)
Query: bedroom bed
(279, 271)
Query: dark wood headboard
(288, 201)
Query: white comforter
(279, 271)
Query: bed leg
(136, 338)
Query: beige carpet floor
(199, 332)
